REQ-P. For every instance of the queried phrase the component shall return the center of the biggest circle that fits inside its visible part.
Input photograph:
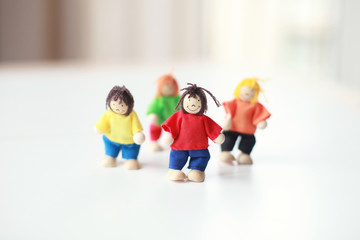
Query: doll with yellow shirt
(121, 129)
(245, 115)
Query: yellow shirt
(118, 127)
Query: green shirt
(163, 107)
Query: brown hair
(192, 91)
(122, 94)
(166, 79)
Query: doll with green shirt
(121, 129)
(162, 107)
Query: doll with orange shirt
(162, 107)
(246, 115)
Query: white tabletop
(303, 184)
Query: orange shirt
(245, 115)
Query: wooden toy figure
(161, 108)
(246, 115)
(188, 133)
(121, 128)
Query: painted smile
(196, 108)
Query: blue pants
(129, 151)
(198, 159)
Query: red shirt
(245, 115)
(191, 131)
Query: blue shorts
(129, 151)
(198, 159)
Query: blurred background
(317, 39)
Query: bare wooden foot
(108, 162)
(226, 157)
(244, 158)
(196, 176)
(176, 175)
(131, 164)
(154, 146)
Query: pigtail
(218, 104)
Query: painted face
(118, 107)
(247, 93)
(167, 89)
(192, 104)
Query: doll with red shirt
(161, 108)
(246, 115)
(188, 131)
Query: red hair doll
(167, 96)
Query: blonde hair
(166, 79)
(251, 83)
